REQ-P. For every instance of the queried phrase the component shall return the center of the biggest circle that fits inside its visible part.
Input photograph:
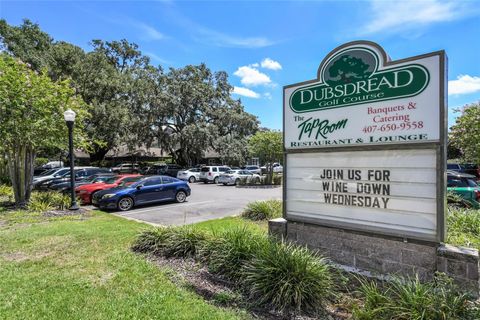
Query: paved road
(207, 202)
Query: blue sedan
(148, 190)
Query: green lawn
(70, 268)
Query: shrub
(289, 278)
(277, 179)
(454, 200)
(6, 191)
(263, 210)
(40, 161)
(227, 252)
(44, 201)
(170, 242)
(411, 299)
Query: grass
(409, 298)
(72, 268)
(227, 223)
(464, 227)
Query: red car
(85, 192)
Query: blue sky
(264, 45)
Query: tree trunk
(20, 165)
(98, 155)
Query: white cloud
(156, 57)
(268, 63)
(464, 84)
(224, 40)
(250, 76)
(245, 92)
(394, 16)
(149, 32)
(267, 95)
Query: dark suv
(81, 173)
(164, 169)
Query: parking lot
(208, 201)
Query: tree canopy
(187, 110)
(465, 133)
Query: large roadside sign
(365, 143)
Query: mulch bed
(195, 276)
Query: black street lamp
(69, 117)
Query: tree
(465, 133)
(196, 110)
(27, 42)
(268, 147)
(348, 68)
(31, 117)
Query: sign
(361, 97)
(365, 144)
(394, 190)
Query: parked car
(253, 169)
(469, 168)
(48, 175)
(147, 190)
(212, 173)
(64, 186)
(277, 168)
(234, 177)
(80, 174)
(85, 192)
(164, 169)
(191, 175)
(126, 168)
(465, 186)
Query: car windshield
(232, 171)
(472, 183)
(61, 172)
(135, 184)
(48, 172)
(106, 179)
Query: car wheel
(181, 196)
(191, 179)
(237, 182)
(125, 204)
(257, 180)
(93, 193)
(224, 183)
(215, 180)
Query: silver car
(191, 175)
(233, 177)
(254, 169)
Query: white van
(212, 173)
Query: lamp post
(69, 117)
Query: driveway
(207, 202)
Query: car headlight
(108, 195)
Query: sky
(265, 45)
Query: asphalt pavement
(207, 202)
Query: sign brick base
(383, 256)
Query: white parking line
(166, 207)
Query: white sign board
(356, 110)
(394, 190)
(341, 135)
